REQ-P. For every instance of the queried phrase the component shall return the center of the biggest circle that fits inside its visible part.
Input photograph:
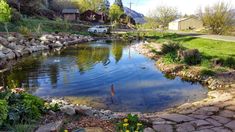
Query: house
(70, 14)
(92, 16)
(186, 24)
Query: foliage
(52, 106)
(5, 12)
(25, 31)
(94, 5)
(16, 16)
(218, 18)
(151, 23)
(119, 3)
(207, 72)
(192, 59)
(229, 62)
(130, 124)
(24, 108)
(115, 12)
(23, 128)
(170, 58)
(169, 47)
(164, 15)
(3, 111)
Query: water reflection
(107, 73)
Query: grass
(209, 48)
(47, 26)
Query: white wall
(173, 26)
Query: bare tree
(164, 15)
(217, 18)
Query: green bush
(3, 111)
(170, 58)
(169, 47)
(24, 108)
(207, 72)
(229, 62)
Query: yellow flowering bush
(130, 124)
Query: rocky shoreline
(15, 45)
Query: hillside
(138, 17)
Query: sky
(183, 6)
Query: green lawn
(209, 48)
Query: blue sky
(183, 6)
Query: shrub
(3, 111)
(131, 124)
(170, 46)
(170, 58)
(24, 108)
(190, 56)
(16, 16)
(229, 62)
(207, 72)
(25, 31)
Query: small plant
(170, 58)
(207, 72)
(3, 111)
(229, 62)
(169, 47)
(25, 31)
(130, 124)
(54, 107)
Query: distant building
(71, 14)
(92, 16)
(186, 24)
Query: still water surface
(104, 75)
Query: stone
(231, 108)
(176, 117)
(198, 123)
(231, 125)
(163, 128)
(213, 122)
(207, 111)
(11, 39)
(185, 127)
(221, 119)
(148, 130)
(204, 130)
(2, 56)
(226, 113)
(10, 55)
(94, 129)
(220, 129)
(198, 116)
(3, 41)
(51, 127)
(67, 109)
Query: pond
(104, 75)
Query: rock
(94, 129)
(1, 47)
(50, 112)
(220, 129)
(230, 108)
(231, 125)
(51, 127)
(67, 109)
(207, 111)
(2, 56)
(221, 119)
(3, 41)
(226, 113)
(185, 127)
(204, 130)
(198, 116)
(176, 117)
(10, 55)
(6, 50)
(199, 123)
(214, 122)
(163, 128)
(12, 39)
(148, 130)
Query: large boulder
(190, 56)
